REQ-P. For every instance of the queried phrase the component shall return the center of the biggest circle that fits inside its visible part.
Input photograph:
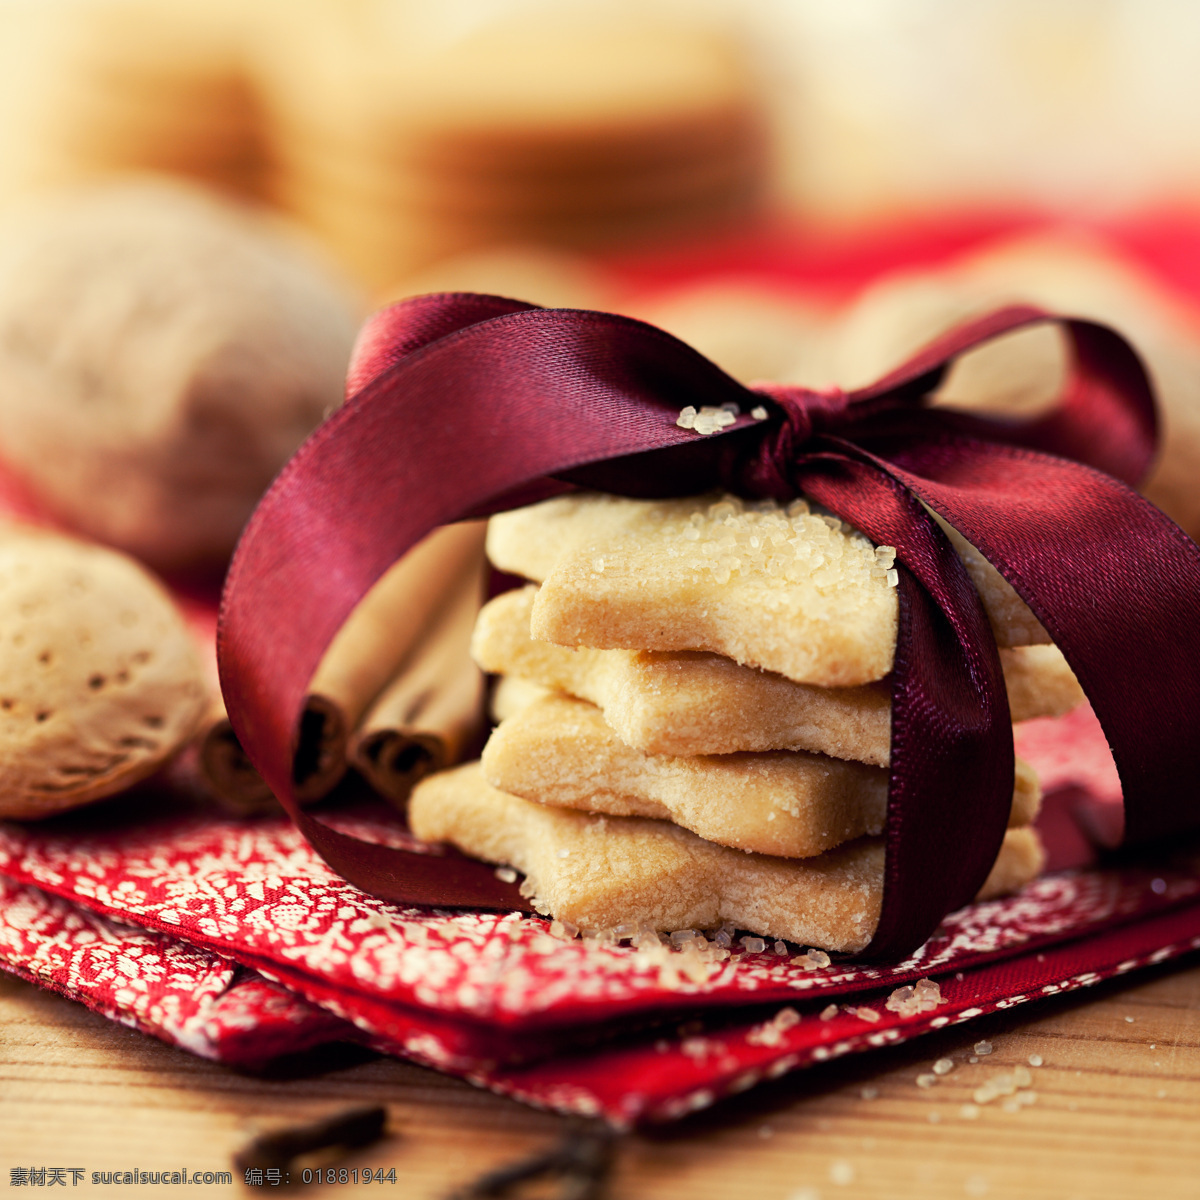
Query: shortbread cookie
(561, 752)
(101, 680)
(1039, 682)
(510, 695)
(694, 702)
(790, 590)
(602, 872)
(1011, 618)
(750, 331)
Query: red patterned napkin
(233, 940)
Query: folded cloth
(191, 997)
(235, 941)
(200, 1001)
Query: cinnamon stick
(425, 716)
(365, 657)
(371, 647)
(231, 776)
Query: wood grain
(1117, 1114)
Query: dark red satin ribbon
(463, 405)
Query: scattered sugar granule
(984, 1095)
(694, 962)
(770, 1033)
(943, 1066)
(926, 1080)
(758, 412)
(779, 948)
(841, 1172)
(646, 938)
(708, 419)
(1027, 1097)
(863, 1014)
(909, 1001)
(1003, 1084)
(973, 1059)
(1153, 1046)
(811, 960)
(599, 937)
(929, 991)
(564, 930)
(1129, 1020)
(829, 1012)
(982, 1048)
(506, 875)
(1036, 1060)
(969, 1112)
(869, 1093)
(1011, 1105)
(1158, 886)
(1022, 1076)
(753, 945)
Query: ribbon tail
(952, 749)
(1116, 585)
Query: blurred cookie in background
(99, 86)
(402, 140)
(1022, 374)
(539, 274)
(752, 331)
(162, 354)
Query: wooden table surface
(1117, 1111)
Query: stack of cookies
(696, 719)
(402, 137)
(103, 86)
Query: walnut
(162, 354)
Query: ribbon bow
(462, 405)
